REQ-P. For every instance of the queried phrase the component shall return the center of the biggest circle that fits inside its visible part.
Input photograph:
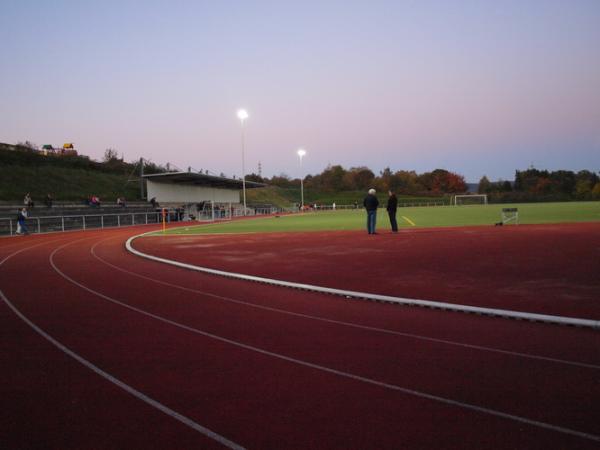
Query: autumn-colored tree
(543, 186)
(596, 191)
(281, 180)
(332, 178)
(564, 181)
(583, 189)
(406, 182)
(455, 183)
(359, 178)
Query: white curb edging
(573, 321)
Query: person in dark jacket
(371, 203)
(392, 205)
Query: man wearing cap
(371, 203)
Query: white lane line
(575, 321)
(138, 394)
(28, 248)
(340, 373)
(347, 324)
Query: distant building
(68, 149)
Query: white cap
(371, 191)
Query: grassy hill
(67, 178)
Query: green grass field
(442, 216)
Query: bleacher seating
(68, 216)
(10, 209)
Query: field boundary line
(504, 313)
(408, 220)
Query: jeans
(393, 222)
(22, 228)
(371, 221)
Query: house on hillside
(68, 149)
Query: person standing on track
(392, 206)
(21, 225)
(371, 203)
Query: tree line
(529, 185)
(534, 184)
(336, 178)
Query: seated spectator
(154, 203)
(27, 201)
(95, 201)
(48, 201)
(121, 202)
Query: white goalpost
(470, 199)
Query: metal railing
(47, 224)
(228, 211)
(76, 222)
(330, 207)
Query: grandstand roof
(199, 179)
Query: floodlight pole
(142, 179)
(243, 115)
(301, 153)
(243, 167)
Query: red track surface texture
(101, 349)
(547, 269)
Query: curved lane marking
(127, 388)
(588, 323)
(340, 322)
(347, 375)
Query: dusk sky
(475, 87)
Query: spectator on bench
(27, 201)
(48, 201)
(95, 201)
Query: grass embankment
(443, 216)
(284, 197)
(65, 177)
(63, 184)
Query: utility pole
(142, 178)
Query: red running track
(267, 367)
(547, 269)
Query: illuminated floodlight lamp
(242, 114)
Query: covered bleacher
(199, 195)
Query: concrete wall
(189, 193)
